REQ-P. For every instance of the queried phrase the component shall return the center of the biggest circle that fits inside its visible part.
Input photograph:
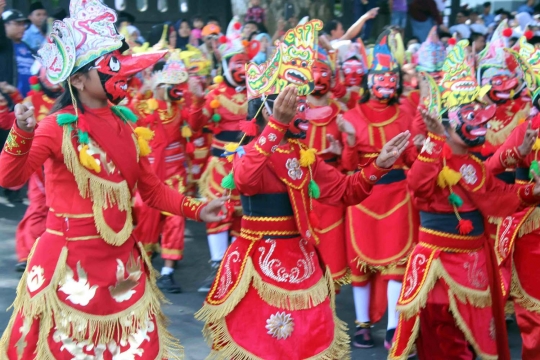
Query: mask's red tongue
(478, 132)
(318, 113)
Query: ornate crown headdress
(290, 64)
(382, 58)
(86, 35)
(195, 61)
(431, 54)
(174, 72)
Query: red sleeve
(248, 169)
(7, 118)
(200, 112)
(159, 196)
(507, 155)
(410, 154)
(25, 152)
(421, 177)
(418, 126)
(337, 188)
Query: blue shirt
(488, 19)
(33, 37)
(525, 8)
(25, 60)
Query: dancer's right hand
(285, 106)
(25, 117)
(528, 141)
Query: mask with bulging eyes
(176, 92)
(300, 125)
(353, 70)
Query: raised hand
(25, 117)
(432, 122)
(215, 211)
(334, 146)
(528, 141)
(392, 150)
(346, 127)
(285, 106)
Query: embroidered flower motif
(124, 288)
(262, 140)
(280, 325)
(272, 137)
(35, 278)
(468, 173)
(293, 165)
(428, 146)
(373, 178)
(79, 291)
(274, 148)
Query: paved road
(193, 269)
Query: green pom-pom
(35, 87)
(228, 182)
(83, 137)
(313, 189)
(455, 200)
(534, 167)
(216, 118)
(124, 113)
(64, 119)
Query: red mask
(299, 126)
(384, 85)
(322, 77)
(236, 72)
(501, 88)
(176, 92)
(115, 69)
(469, 121)
(353, 72)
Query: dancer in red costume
(522, 230)
(41, 99)
(451, 305)
(224, 108)
(324, 139)
(166, 114)
(271, 281)
(354, 68)
(377, 257)
(88, 290)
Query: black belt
(508, 177)
(448, 222)
(480, 156)
(522, 174)
(331, 160)
(226, 137)
(267, 205)
(393, 176)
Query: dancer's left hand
(215, 210)
(392, 150)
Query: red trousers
(32, 225)
(529, 326)
(439, 337)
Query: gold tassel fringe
(365, 266)
(206, 177)
(520, 296)
(531, 224)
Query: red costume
(88, 291)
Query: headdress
(290, 64)
(529, 60)
(356, 51)
(195, 61)
(431, 54)
(174, 72)
(86, 35)
(381, 57)
(231, 42)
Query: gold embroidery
(11, 142)
(123, 290)
(236, 105)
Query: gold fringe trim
(103, 193)
(477, 298)
(499, 137)
(462, 325)
(271, 294)
(365, 266)
(345, 279)
(204, 181)
(520, 296)
(410, 343)
(531, 224)
(495, 220)
(224, 347)
(231, 106)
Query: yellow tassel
(307, 157)
(448, 177)
(218, 79)
(144, 148)
(186, 132)
(145, 133)
(231, 147)
(152, 104)
(536, 145)
(88, 160)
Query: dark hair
(262, 28)
(535, 40)
(474, 36)
(180, 22)
(197, 18)
(9, 101)
(443, 34)
(331, 26)
(212, 18)
(156, 32)
(366, 95)
(252, 23)
(487, 4)
(253, 109)
(158, 66)
(65, 99)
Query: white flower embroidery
(468, 173)
(35, 278)
(262, 140)
(280, 325)
(272, 137)
(79, 291)
(273, 268)
(428, 146)
(372, 178)
(293, 166)
(274, 148)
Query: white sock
(361, 302)
(393, 291)
(218, 244)
(166, 270)
(233, 239)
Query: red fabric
(7, 118)
(529, 326)
(42, 104)
(320, 128)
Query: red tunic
(270, 280)
(450, 269)
(88, 282)
(230, 106)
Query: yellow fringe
(520, 296)
(495, 220)
(103, 193)
(206, 177)
(365, 266)
(419, 302)
(531, 224)
(509, 308)
(231, 106)
(345, 279)
(499, 137)
(465, 329)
